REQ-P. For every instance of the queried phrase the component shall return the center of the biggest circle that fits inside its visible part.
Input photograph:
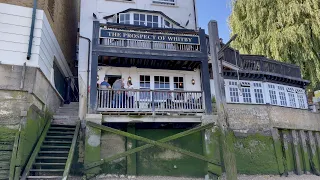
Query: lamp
(193, 81)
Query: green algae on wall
(160, 161)
(31, 129)
(7, 137)
(255, 155)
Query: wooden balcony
(149, 101)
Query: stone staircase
(51, 160)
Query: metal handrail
(71, 153)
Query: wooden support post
(314, 161)
(296, 156)
(14, 156)
(131, 159)
(278, 149)
(317, 135)
(92, 143)
(228, 154)
(305, 154)
(285, 139)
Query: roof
(146, 11)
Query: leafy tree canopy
(285, 30)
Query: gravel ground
(240, 177)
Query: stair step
(57, 142)
(60, 137)
(54, 152)
(60, 132)
(46, 170)
(56, 147)
(51, 158)
(50, 164)
(44, 177)
(62, 128)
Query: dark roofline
(146, 11)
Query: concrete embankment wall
(274, 140)
(27, 99)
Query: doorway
(112, 78)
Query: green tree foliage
(285, 30)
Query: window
(272, 93)
(301, 101)
(292, 99)
(178, 83)
(166, 2)
(152, 21)
(51, 4)
(258, 93)
(139, 19)
(124, 18)
(167, 24)
(246, 95)
(282, 96)
(144, 84)
(234, 94)
(161, 83)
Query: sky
(218, 10)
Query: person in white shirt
(130, 94)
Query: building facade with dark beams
(255, 79)
(148, 75)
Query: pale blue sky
(218, 10)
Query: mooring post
(305, 153)
(228, 155)
(278, 149)
(314, 161)
(296, 156)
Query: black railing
(72, 90)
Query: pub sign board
(156, 37)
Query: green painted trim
(135, 150)
(131, 159)
(71, 153)
(14, 156)
(35, 151)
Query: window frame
(125, 20)
(165, 2)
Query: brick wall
(64, 23)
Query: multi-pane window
(178, 83)
(167, 2)
(272, 93)
(139, 19)
(258, 93)
(246, 95)
(124, 18)
(282, 96)
(301, 101)
(152, 21)
(144, 84)
(161, 83)
(292, 99)
(234, 92)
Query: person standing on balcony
(104, 86)
(118, 97)
(130, 94)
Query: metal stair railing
(71, 153)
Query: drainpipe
(88, 70)
(195, 14)
(34, 11)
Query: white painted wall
(135, 73)
(15, 26)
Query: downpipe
(88, 69)
(34, 12)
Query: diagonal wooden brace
(151, 144)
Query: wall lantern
(129, 78)
(193, 81)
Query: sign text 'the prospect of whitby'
(183, 39)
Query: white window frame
(139, 20)
(258, 86)
(125, 20)
(152, 20)
(282, 94)
(273, 96)
(165, 2)
(234, 85)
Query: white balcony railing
(149, 101)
